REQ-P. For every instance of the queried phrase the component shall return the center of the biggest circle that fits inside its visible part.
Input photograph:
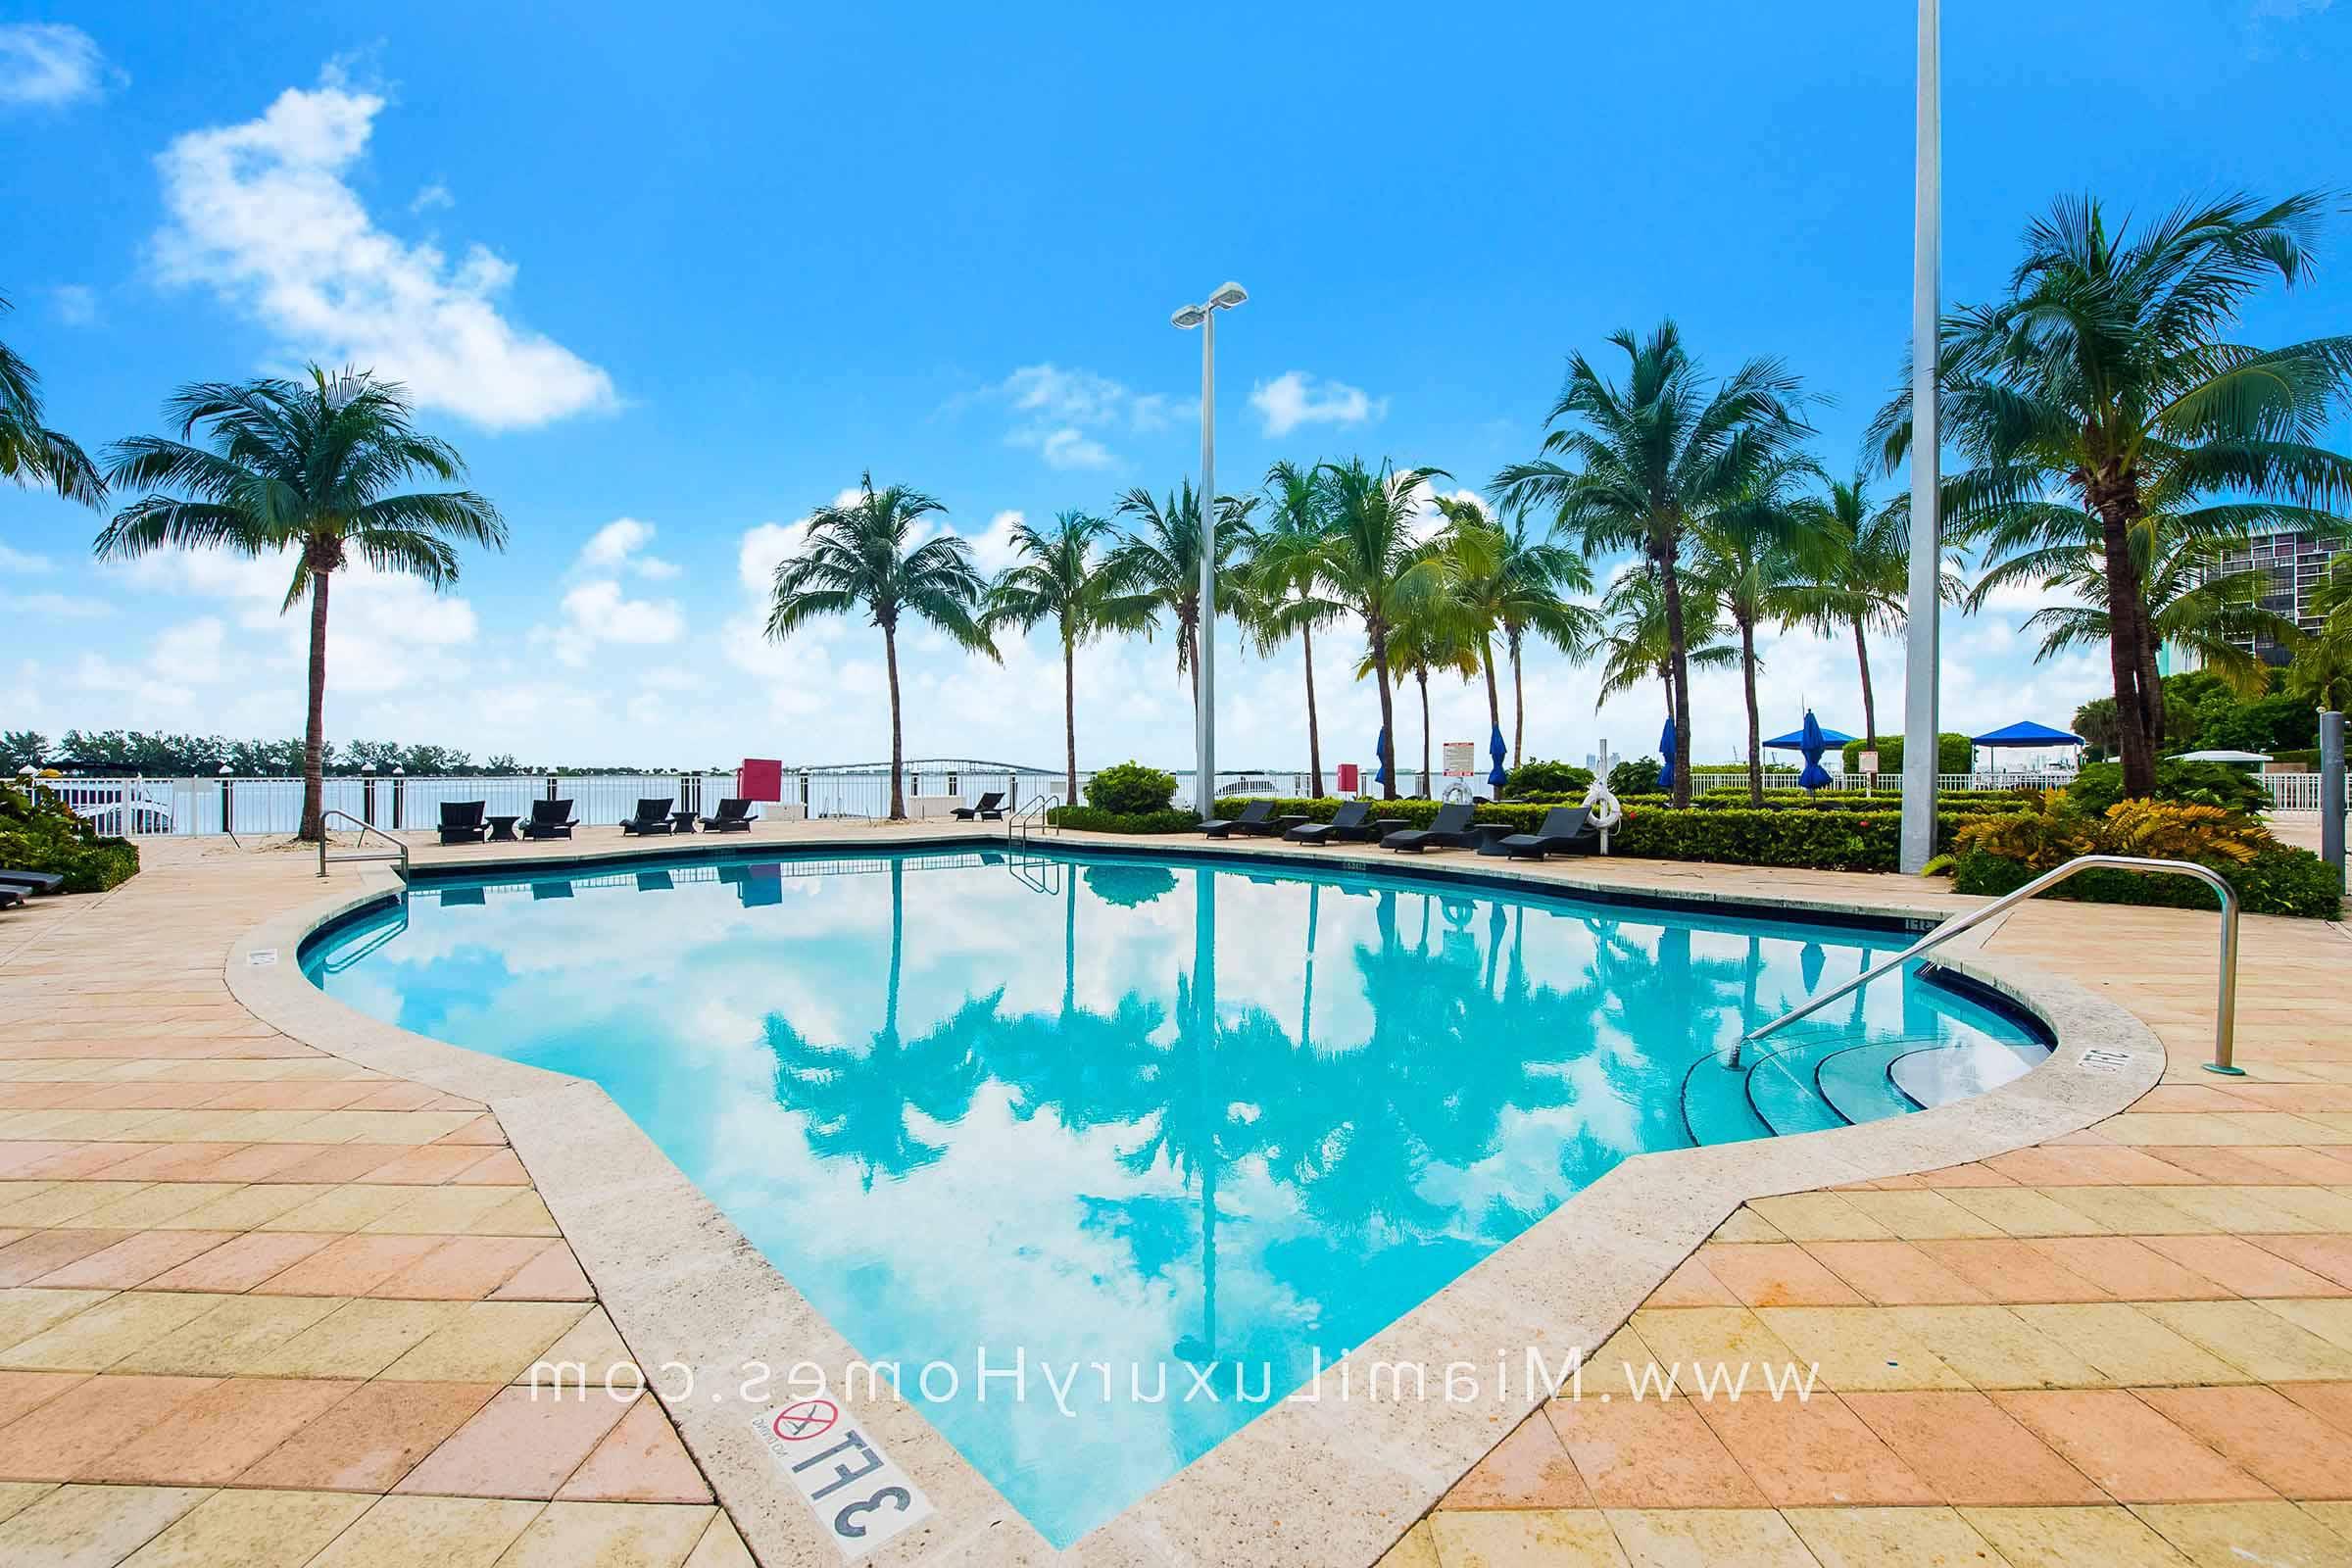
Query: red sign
(761, 778)
(1348, 778)
(803, 1419)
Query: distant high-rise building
(2296, 563)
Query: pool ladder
(398, 853)
(2224, 1021)
(1024, 823)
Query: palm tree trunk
(1518, 700)
(1679, 658)
(2134, 746)
(898, 748)
(1069, 716)
(1755, 735)
(1485, 655)
(314, 734)
(1422, 676)
(1315, 740)
(1870, 711)
(2151, 683)
(1388, 712)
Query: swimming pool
(970, 1104)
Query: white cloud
(619, 546)
(596, 613)
(992, 547)
(60, 606)
(51, 64)
(261, 213)
(18, 561)
(1295, 398)
(1060, 413)
(77, 303)
(431, 197)
(190, 651)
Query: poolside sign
(1461, 758)
(859, 1496)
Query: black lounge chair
(652, 816)
(1449, 830)
(1257, 818)
(734, 817)
(1564, 832)
(988, 809)
(1352, 822)
(11, 897)
(549, 819)
(32, 881)
(461, 821)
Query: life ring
(1601, 809)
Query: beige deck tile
(350, 1207)
(1920, 1213)
(2251, 1336)
(92, 1527)
(2026, 1211)
(356, 1341)
(1880, 1538)
(2274, 1535)
(2111, 1537)
(1701, 1538)
(1994, 1348)
(252, 1530)
(232, 1338)
(446, 1532)
(97, 1338)
(1859, 1348)
(721, 1547)
(1814, 1217)
(608, 1535)
(1526, 1537)
(488, 1341)
(2130, 1347)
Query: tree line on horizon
(2114, 447)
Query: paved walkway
(261, 1306)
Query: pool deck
(262, 1304)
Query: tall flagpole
(1920, 675)
(1204, 710)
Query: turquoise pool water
(969, 1106)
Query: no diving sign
(860, 1498)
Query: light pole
(1921, 722)
(1204, 707)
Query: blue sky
(669, 286)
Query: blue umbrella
(1814, 776)
(1666, 751)
(1497, 751)
(1380, 749)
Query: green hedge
(2282, 880)
(1954, 753)
(1831, 801)
(1094, 819)
(39, 832)
(1129, 789)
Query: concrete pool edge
(1307, 1482)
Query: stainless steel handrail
(399, 846)
(2225, 1024)
(1017, 827)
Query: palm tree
(2321, 671)
(1376, 569)
(1162, 558)
(30, 452)
(2104, 384)
(1745, 564)
(1512, 582)
(1632, 466)
(1853, 573)
(1066, 578)
(2190, 597)
(1429, 632)
(856, 556)
(287, 467)
(1633, 640)
(1279, 590)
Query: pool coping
(1311, 1480)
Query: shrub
(1997, 854)
(1536, 777)
(1094, 819)
(1636, 778)
(2101, 784)
(2278, 880)
(1954, 753)
(1129, 789)
(39, 832)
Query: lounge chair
(32, 881)
(1256, 816)
(1564, 832)
(1352, 822)
(652, 816)
(461, 821)
(549, 819)
(990, 809)
(11, 897)
(1449, 830)
(734, 817)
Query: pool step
(1820, 1081)
(1854, 1078)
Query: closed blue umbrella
(1813, 744)
(1380, 749)
(1497, 751)
(1666, 752)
